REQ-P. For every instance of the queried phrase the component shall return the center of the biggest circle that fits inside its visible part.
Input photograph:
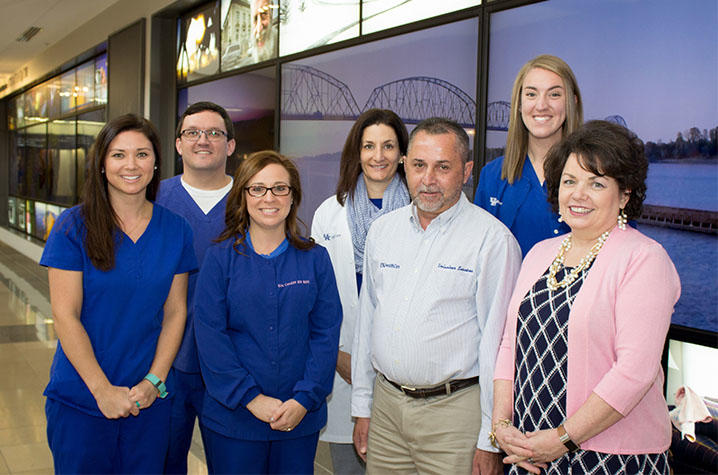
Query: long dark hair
(350, 165)
(100, 218)
(236, 218)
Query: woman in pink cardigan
(578, 386)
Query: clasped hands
(531, 450)
(282, 416)
(119, 401)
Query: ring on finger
(288, 429)
(138, 404)
(530, 460)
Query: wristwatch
(566, 440)
(158, 384)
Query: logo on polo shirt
(456, 268)
(494, 201)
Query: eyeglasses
(277, 190)
(193, 135)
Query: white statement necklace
(571, 276)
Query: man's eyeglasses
(277, 190)
(193, 135)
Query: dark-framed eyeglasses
(258, 191)
(193, 135)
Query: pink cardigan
(616, 331)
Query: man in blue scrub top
(204, 140)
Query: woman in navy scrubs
(545, 106)
(117, 268)
(267, 320)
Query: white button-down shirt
(433, 302)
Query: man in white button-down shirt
(438, 275)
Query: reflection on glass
(29, 216)
(38, 229)
(323, 95)
(88, 126)
(36, 104)
(16, 168)
(382, 14)
(308, 24)
(198, 45)
(250, 101)
(67, 92)
(101, 80)
(38, 171)
(12, 211)
(61, 142)
(85, 87)
(54, 99)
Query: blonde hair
(517, 141)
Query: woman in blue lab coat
(267, 320)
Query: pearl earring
(622, 220)
(560, 218)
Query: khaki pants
(436, 435)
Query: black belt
(442, 389)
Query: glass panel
(306, 25)
(61, 141)
(85, 87)
(19, 110)
(12, 211)
(101, 80)
(39, 179)
(22, 215)
(36, 104)
(88, 126)
(54, 99)
(323, 95)
(198, 45)
(250, 101)
(52, 212)
(67, 92)
(630, 85)
(17, 168)
(38, 230)
(382, 14)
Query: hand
(114, 402)
(518, 448)
(545, 446)
(344, 366)
(487, 463)
(143, 392)
(262, 407)
(287, 416)
(361, 436)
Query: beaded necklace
(586, 261)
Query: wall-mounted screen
(308, 24)
(249, 32)
(198, 44)
(382, 14)
(658, 77)
(323, 95)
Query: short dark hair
(202, 106)
(605, 149)
(350, 164)
(441, 125)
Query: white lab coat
(330, 228)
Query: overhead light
(28, 34)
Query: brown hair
(100, 218)
(350, 164)
(604, 149)
(236, 218)
(517, 140)
(198, 107)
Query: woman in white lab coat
(371, 183)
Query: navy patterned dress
(541, 376)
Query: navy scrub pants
(81, 443)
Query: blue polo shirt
(521, 206)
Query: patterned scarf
(361, 212)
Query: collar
(444, 219)
(278, 251)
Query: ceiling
(56, 18)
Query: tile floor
(27, 343)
